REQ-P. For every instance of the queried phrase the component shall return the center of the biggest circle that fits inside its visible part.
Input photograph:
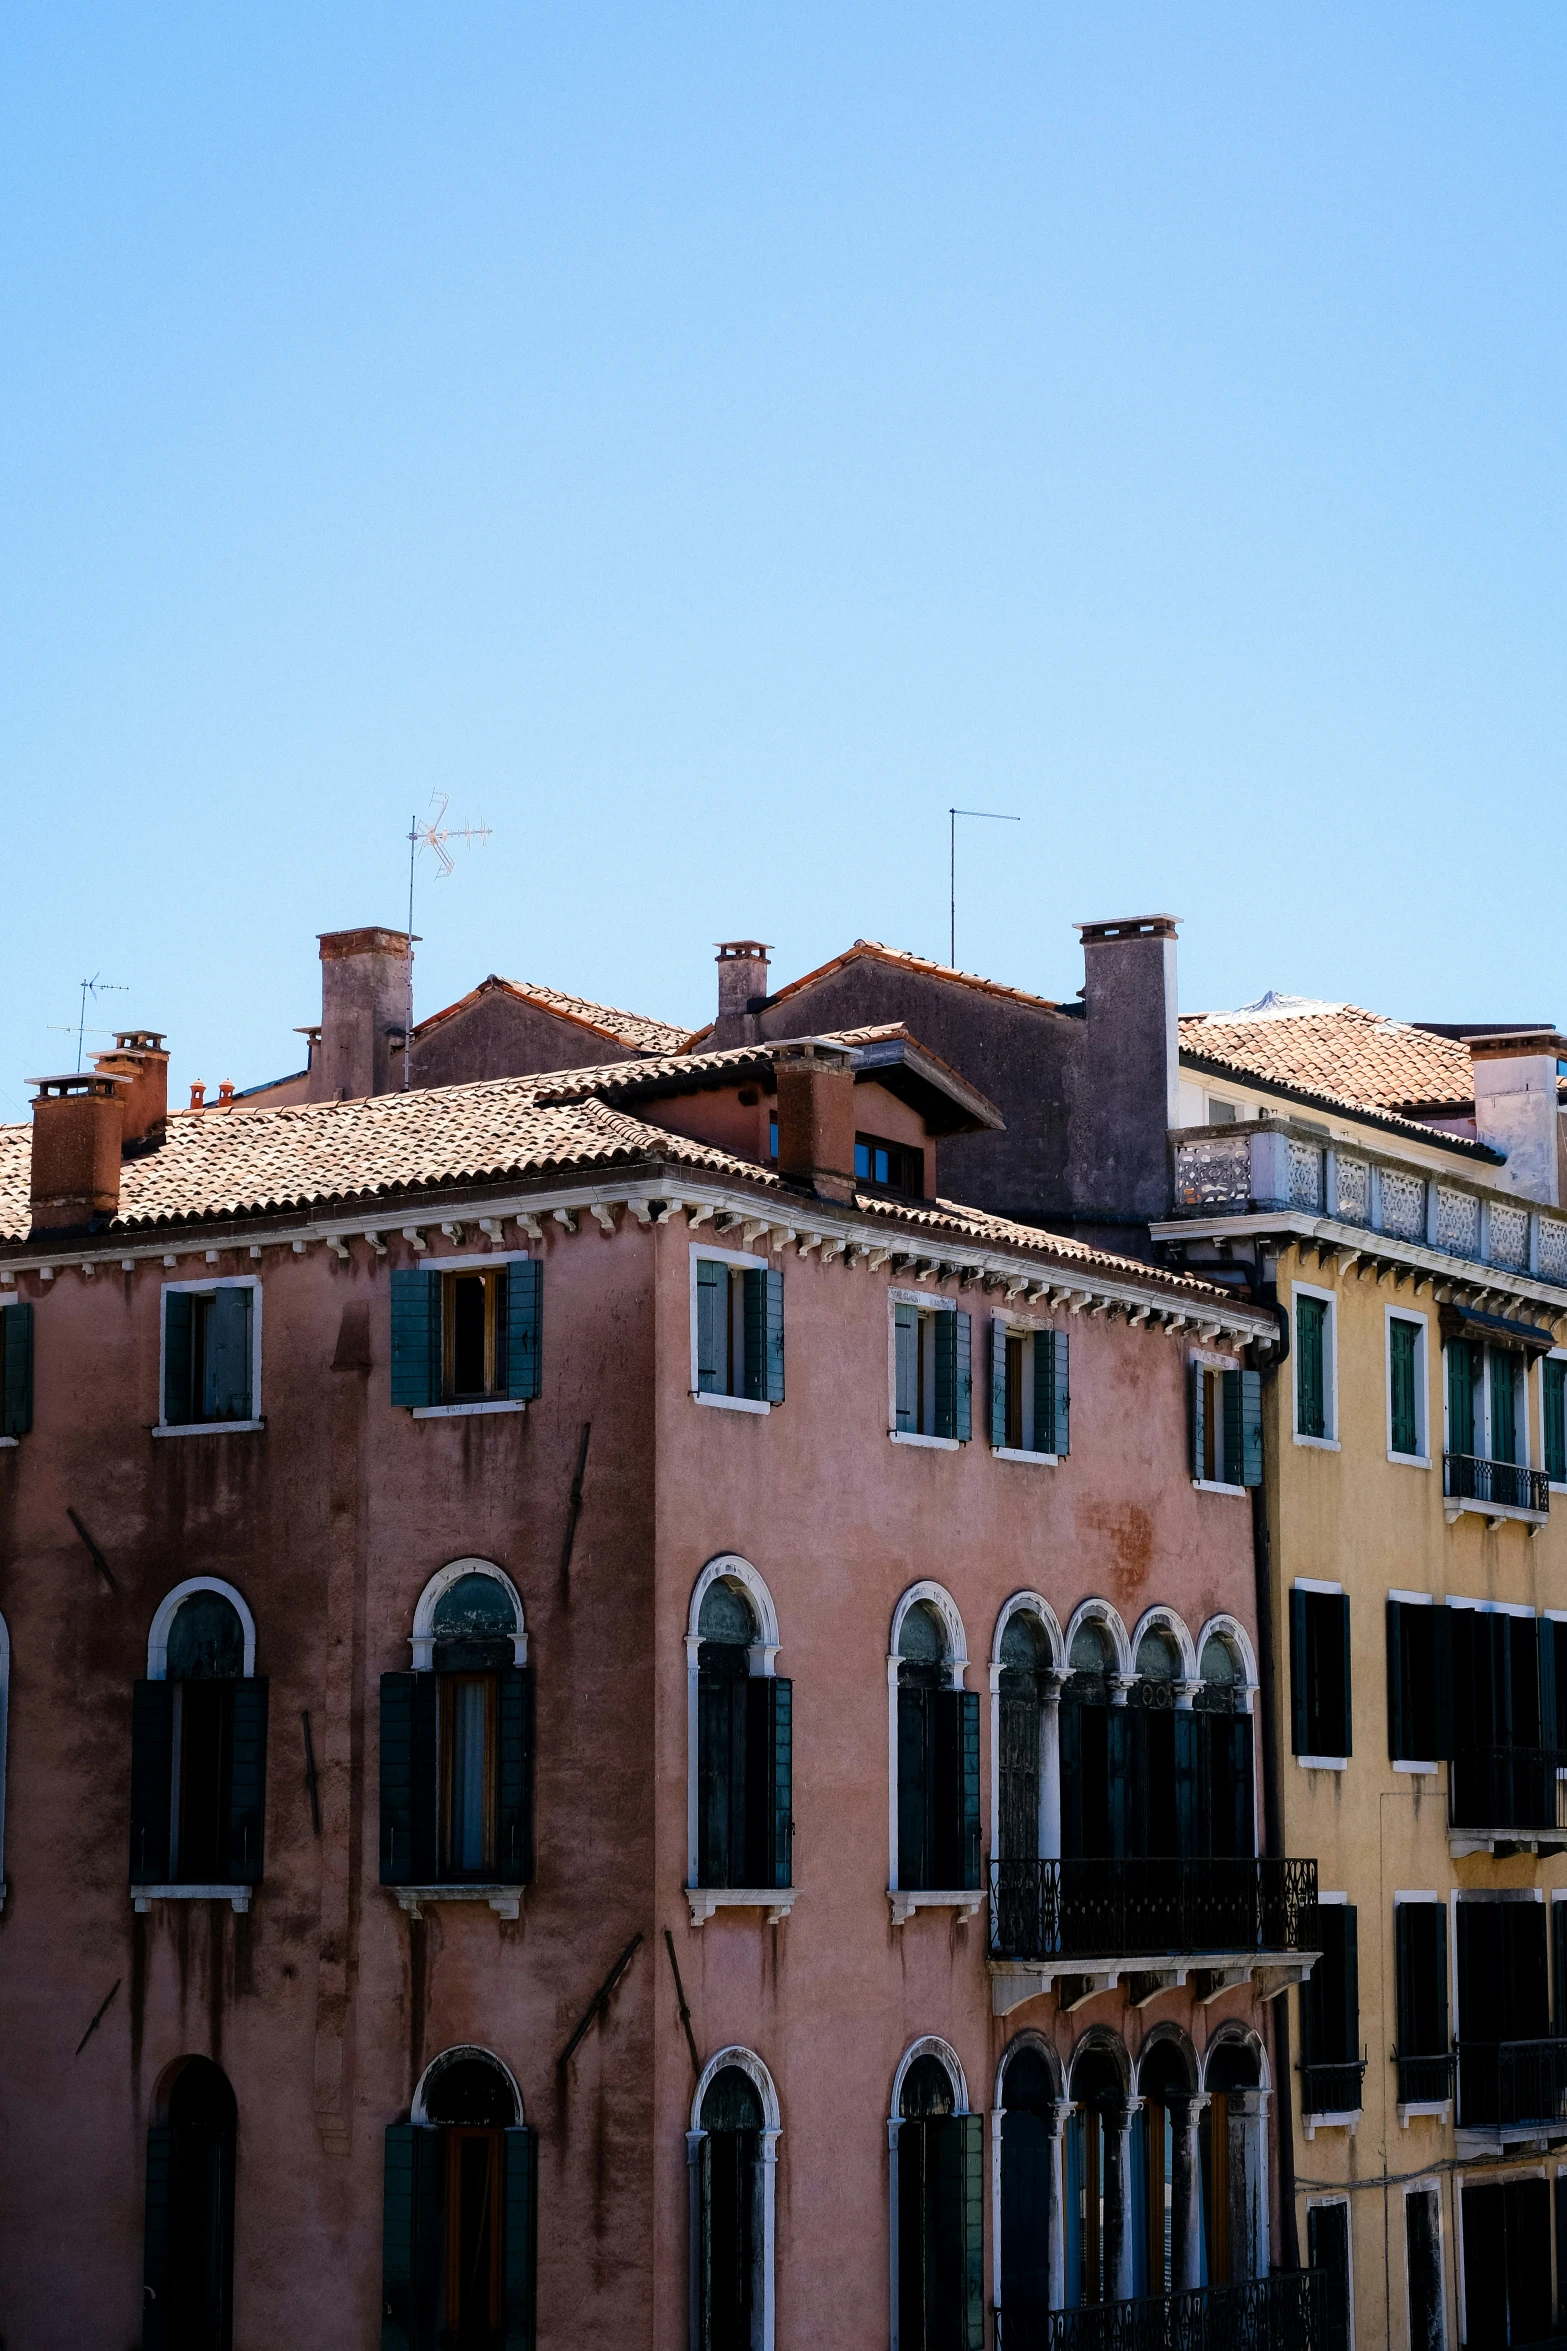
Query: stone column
(1248, 2183)
(1186, 2192)
(767, 2198)
(1051, 1682)
(1056, 2116)
(694, 2234)
(1119, 2116)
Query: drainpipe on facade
(1272, 1824)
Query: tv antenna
(434, 834)
(991, 816)
(95, 987)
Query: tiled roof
(1362, 1058)
(905, 959)
(621, 1028)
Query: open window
(744, 1761)
(466, 1337)
(1030, 1397)
(211, 1349)
(199, 1751)
(938, 2206)
(1226, 1424)
(737, 1329)
(932, 1368)
(460, 2212)
(732, 2148)
(937, 1728)
(457, 1744)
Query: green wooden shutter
(514, 1812)
(522, 2237)
(1553, 1378)
(1190, 1818)
(152, 1778)
(1197, 1399)
(712, 1311)
(963, 1376)
(248, 1785)
(1460, 1397)
(16, 1389)
(1234, 1429)
(408, 1779)
(769, 1779)
(524, 1327)
(1251, 1428)
(416, 1338)
(411, 2234)
(968, 1786)
(914, 1708)
(1345, 1691)
(906, 1342)
(1397, 1731)
(764, 1337)
(1401, 1342)
(1300, 1720)
(998, 1384)
(946, 1375)
(157, 2237)
(1311, 1316)
(226, 1380)
(1060, 1354)
(1052, 1398)
(1502, 1371)
(178, 1404)
(960, 2229)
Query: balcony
(1425, 2081)
(1278, 2313)
(1500, 1796)
(1083, 1926)
(1513, 2089)
(1497, 1489)
(1331, 2089)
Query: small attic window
(889, 1167)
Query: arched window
(457, 1745)
(1161, 1796)
(1031, 2116)
(740, 1735)
(1233, 2139)
(460, 2210)
(188, 2272)
(936, 1748)
(1226, 1805)
(732, 2147)
(1100, 2216)
(199, 1750)
(938, 2203)
(1167, 2256)
(1026, 1679)
(1094, 1739)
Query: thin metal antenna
(432, 834)
(991, 816)
(95, 987)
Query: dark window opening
(1028, 2098)
(730, 2223)
(189, 2253)
(207, 1354)
(932, 1366)
(745, 1757)
(938, 1764)
(1553, 1388)
(941, 2191)
(474, 1349)
(1320, 1708)
(739, 1331)
(460, 2215)
(1331, 2063)
(1327, 2250)
(1423, 2250)
(198, 1755)
(457, 1750)
(1030, 1403)
(890, 1167)
(1420, 1953)
(1507, 2264)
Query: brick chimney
(140, 1057)
(816, 1117)
(364, 1009)
(1515, 1105)
(742, 991)
(1126, 1088)
(77, 1128)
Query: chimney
(77, 1123)
(139, 1056)
(1127, 1096)
(742, 991)
(364, 1010)
(816, 1116)
(1515, 1105)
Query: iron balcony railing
(1467, 1478)
(1332, 2089)
(1502, 2084)
(1425, 2081)
(1282, 2312)
(1139, 1908)
(1508, 1788)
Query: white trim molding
(422, 1638)
(461, 2052)
(765, 2205)
(168, 1608)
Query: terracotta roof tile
(1362, 1058)
(621, 1028)
(907, 960)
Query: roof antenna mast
(991, 816)
(95, 987)
(434, 834)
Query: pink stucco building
(619, 1727)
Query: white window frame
(1209, 1359)
(966, 1901)
(238, 1897)
(1390, 1315)
(1032, 1604)
(927, 1304)
(762, 1664)
(422, 1638)
(211, 1428)
(1000, 1324)
(764, 2223)
(929, 2045)
(750, 1262)
(1556, 1355)
(1329, 1298)
(484, 1404)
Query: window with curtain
(198, 1755)
(457, 1750)
(745, 1751)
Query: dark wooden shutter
(712, 1316)
(152, 1779)
(1300, 1719)
(773, 1351)
(1118, 1771)
(1251, 1427)
(408, 1779)
(1191, 1820)
(524, 1328)
(1196, 1413)
(954, 1375)
(1345, 1689)
(960, 2230)
(514, 1810)
(1460, 1397)
(1310, 1350)
(157, 2237)
(1234, 1428)
(178, 1404)
(16, 1392)
(906, 1341)
(522, 2237)
(1559, 1969)
(1401, 1342)
(248, 1784)
(1052, 1394)
(914, 1858)
(410, 2237)
(226, 1372)
(1553, 1380)
(1443, 1742)
(1350, 2011)
(416, 1338)
(998, 1385)
(769, 1778)
(1547, 1672)
(1397, 1731)
(1071, 1721)
(968, 1786)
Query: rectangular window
(1423, 2255)
(932, 1371)
(1226, 1425)
(466, 1335)
(16, 1370)
(1461, 1369)
(1507, 2262)
(1419, 1682)
(1553, 1396)
(1406, 1433)
(1502, 1379)
(1327, 2250)
(1313, 1367)
(739, 1331)
(889, 1167)
(457, 1776)
(1030, 1401)
(1330, 2061)
(208, 1354)
(1420, 1951)
(938, 1789)
(1320, 1707)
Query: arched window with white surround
(739, 1748)
(1167, 2249)
(732, 2159)
(1027, 2123)
(1162, 1802)
(937, 2151)
(1226, 1744)
(1234, 2144)
(199, 1751)
(1094, 1734)
(457, 1746)
(1100, 2234)
(459, 2240)
(1026, 1674)
(933, 1731)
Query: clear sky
(709, 440)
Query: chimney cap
(731, 948)
(139, 1040)
(1128, 926)
(81, 1081)
(821, 1052)
(372, 939)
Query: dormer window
(889, 1167)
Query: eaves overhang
(1386, 1122)
(1354, 1244)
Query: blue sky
(709, 441)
